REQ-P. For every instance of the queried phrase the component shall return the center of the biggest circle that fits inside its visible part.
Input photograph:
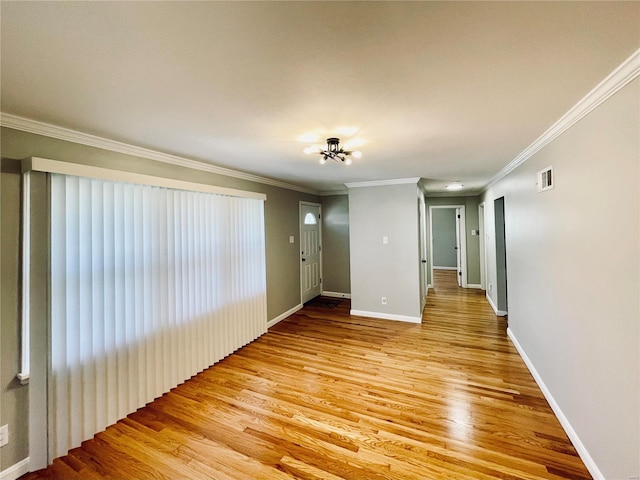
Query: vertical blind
(149, 286)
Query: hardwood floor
(325, 395)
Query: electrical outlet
(4, 435)
(384, 300)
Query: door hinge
(319, 248)
(458, 216)
(460, 273)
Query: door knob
(304, 259)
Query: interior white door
(422, 238)
(458, 249)
(310, 252)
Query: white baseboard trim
(336, 294)
(284, 315)
(571, 433)
(15, 471)
(474, 285)
(444, 268)
(500, 313)
(386, 316)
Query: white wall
(379, 270)
(573, 272)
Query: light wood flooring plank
(324, 395)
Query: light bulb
(347, 161)
(356, 154)
(323, 160)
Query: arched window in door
(310, 219)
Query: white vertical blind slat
(171, 370)
(119, 375)
(99, 332)
(128, 284)
(58, 386)
(148, 286)
(75, 305)
(109, 304)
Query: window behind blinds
(149, 286)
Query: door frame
(463, 241)
(483, 246)
(301, 273)
(422, 239)
(459, 233)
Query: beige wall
(573, 276)
(13, 396)
(335, 244)
(281, 221)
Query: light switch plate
(4, 435)
(291, 239)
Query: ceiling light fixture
(454, 186)
(333, 152)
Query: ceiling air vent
(545, 179)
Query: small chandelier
(333, 152)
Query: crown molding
(330, 193)
(468, 193)
(381, 183)
(48, 130)
(619, 78)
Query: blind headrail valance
(37, 164)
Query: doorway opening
(501, 255)
(447, 241)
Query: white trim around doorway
(463, 241)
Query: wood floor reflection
(325, 395)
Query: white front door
(310, 251)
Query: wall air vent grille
(545, 179)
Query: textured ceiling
(440, 90)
